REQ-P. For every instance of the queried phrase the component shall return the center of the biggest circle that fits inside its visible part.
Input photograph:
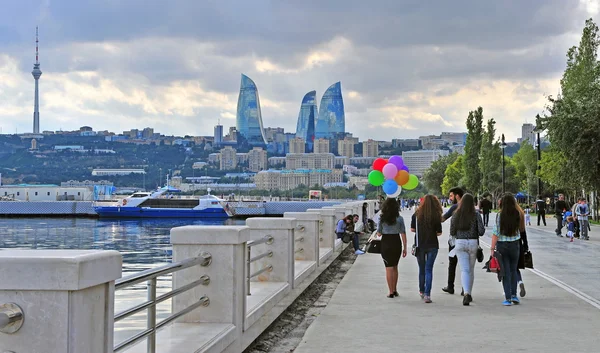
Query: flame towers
(306, 119)
(36, 76)
(249, 118)
(331, 122)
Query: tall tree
(491, 159)
(525, 162)
(472, 173)
(453, 175)
(573, 122)
(434, 175)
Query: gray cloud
(411, 55)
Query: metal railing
(267, 239)
(150, 277)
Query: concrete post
(306, 235)
(67, 299)
(327, 226)
(227, 245)
(282, 231)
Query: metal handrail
(265, 269)
(267, 239)
(258, 257)
(301, 239)
(299, 250)
(204, 259)
(150, 276)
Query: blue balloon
(390, 187)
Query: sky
(407, 67)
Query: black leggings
(391, 249)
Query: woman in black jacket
(467, 226)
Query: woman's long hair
(390, 210)
(510, 217)
(465, 213)
(429, 212)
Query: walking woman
(427, 224)
(506, 240)
(393, 242)
(467, 226)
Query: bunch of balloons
(393, 175)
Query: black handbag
(528, 259)
(479, 254)
(374, 247)
(346, 238)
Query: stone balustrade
(257, 271)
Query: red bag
(494, 265)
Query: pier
(229, 283)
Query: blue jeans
(426, 259)
(466, 251)
(510, 251)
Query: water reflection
(143, 243)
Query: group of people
(574, 217)
(509, 242)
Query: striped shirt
(501, 237)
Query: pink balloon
(390, 171)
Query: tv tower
(36, 75)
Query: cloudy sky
(407, 67)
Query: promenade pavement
(555, 316)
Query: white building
(321, 146)
(297, 145)
(228, 158)
(419, 161)
(276, 161)
(45, 193)
(113, 172)
(291, 179)
(257, 159)
(370, 148)
(309, 161)
(346, 147)
(527, 134)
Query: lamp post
(539, 157)
(503, 146)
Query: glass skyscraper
(331, 121)
(249, 119)
(306, 119)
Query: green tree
(472, 173)
(491, 160)
(434, 175)
(525, 162)
(573, 122)
(554, 170)
(453, 175)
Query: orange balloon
(402, 177)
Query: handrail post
(248, 255)
(151, 319)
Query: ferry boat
(160, 204)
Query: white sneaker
(359, 252)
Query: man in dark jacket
(559, 208)
(486, 207)
(455, 196)
(540, 206)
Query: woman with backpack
(427, 224)
(467, 226)
(393, 242)
(506, 240)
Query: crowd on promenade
(468, 222)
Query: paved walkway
(551, 318)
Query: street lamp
(539, 157)
(503, 146)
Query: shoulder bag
(415, 247)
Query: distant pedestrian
(582, 211)
(392, 230)
(540, 206)
(570, 228)
(560, 207)
(506, 240)
(485, 206)
(427, 224)
(528, 216)
(365, 215)
(467, 226)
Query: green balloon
(412, 183)
(376, 178)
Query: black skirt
(391, 249)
